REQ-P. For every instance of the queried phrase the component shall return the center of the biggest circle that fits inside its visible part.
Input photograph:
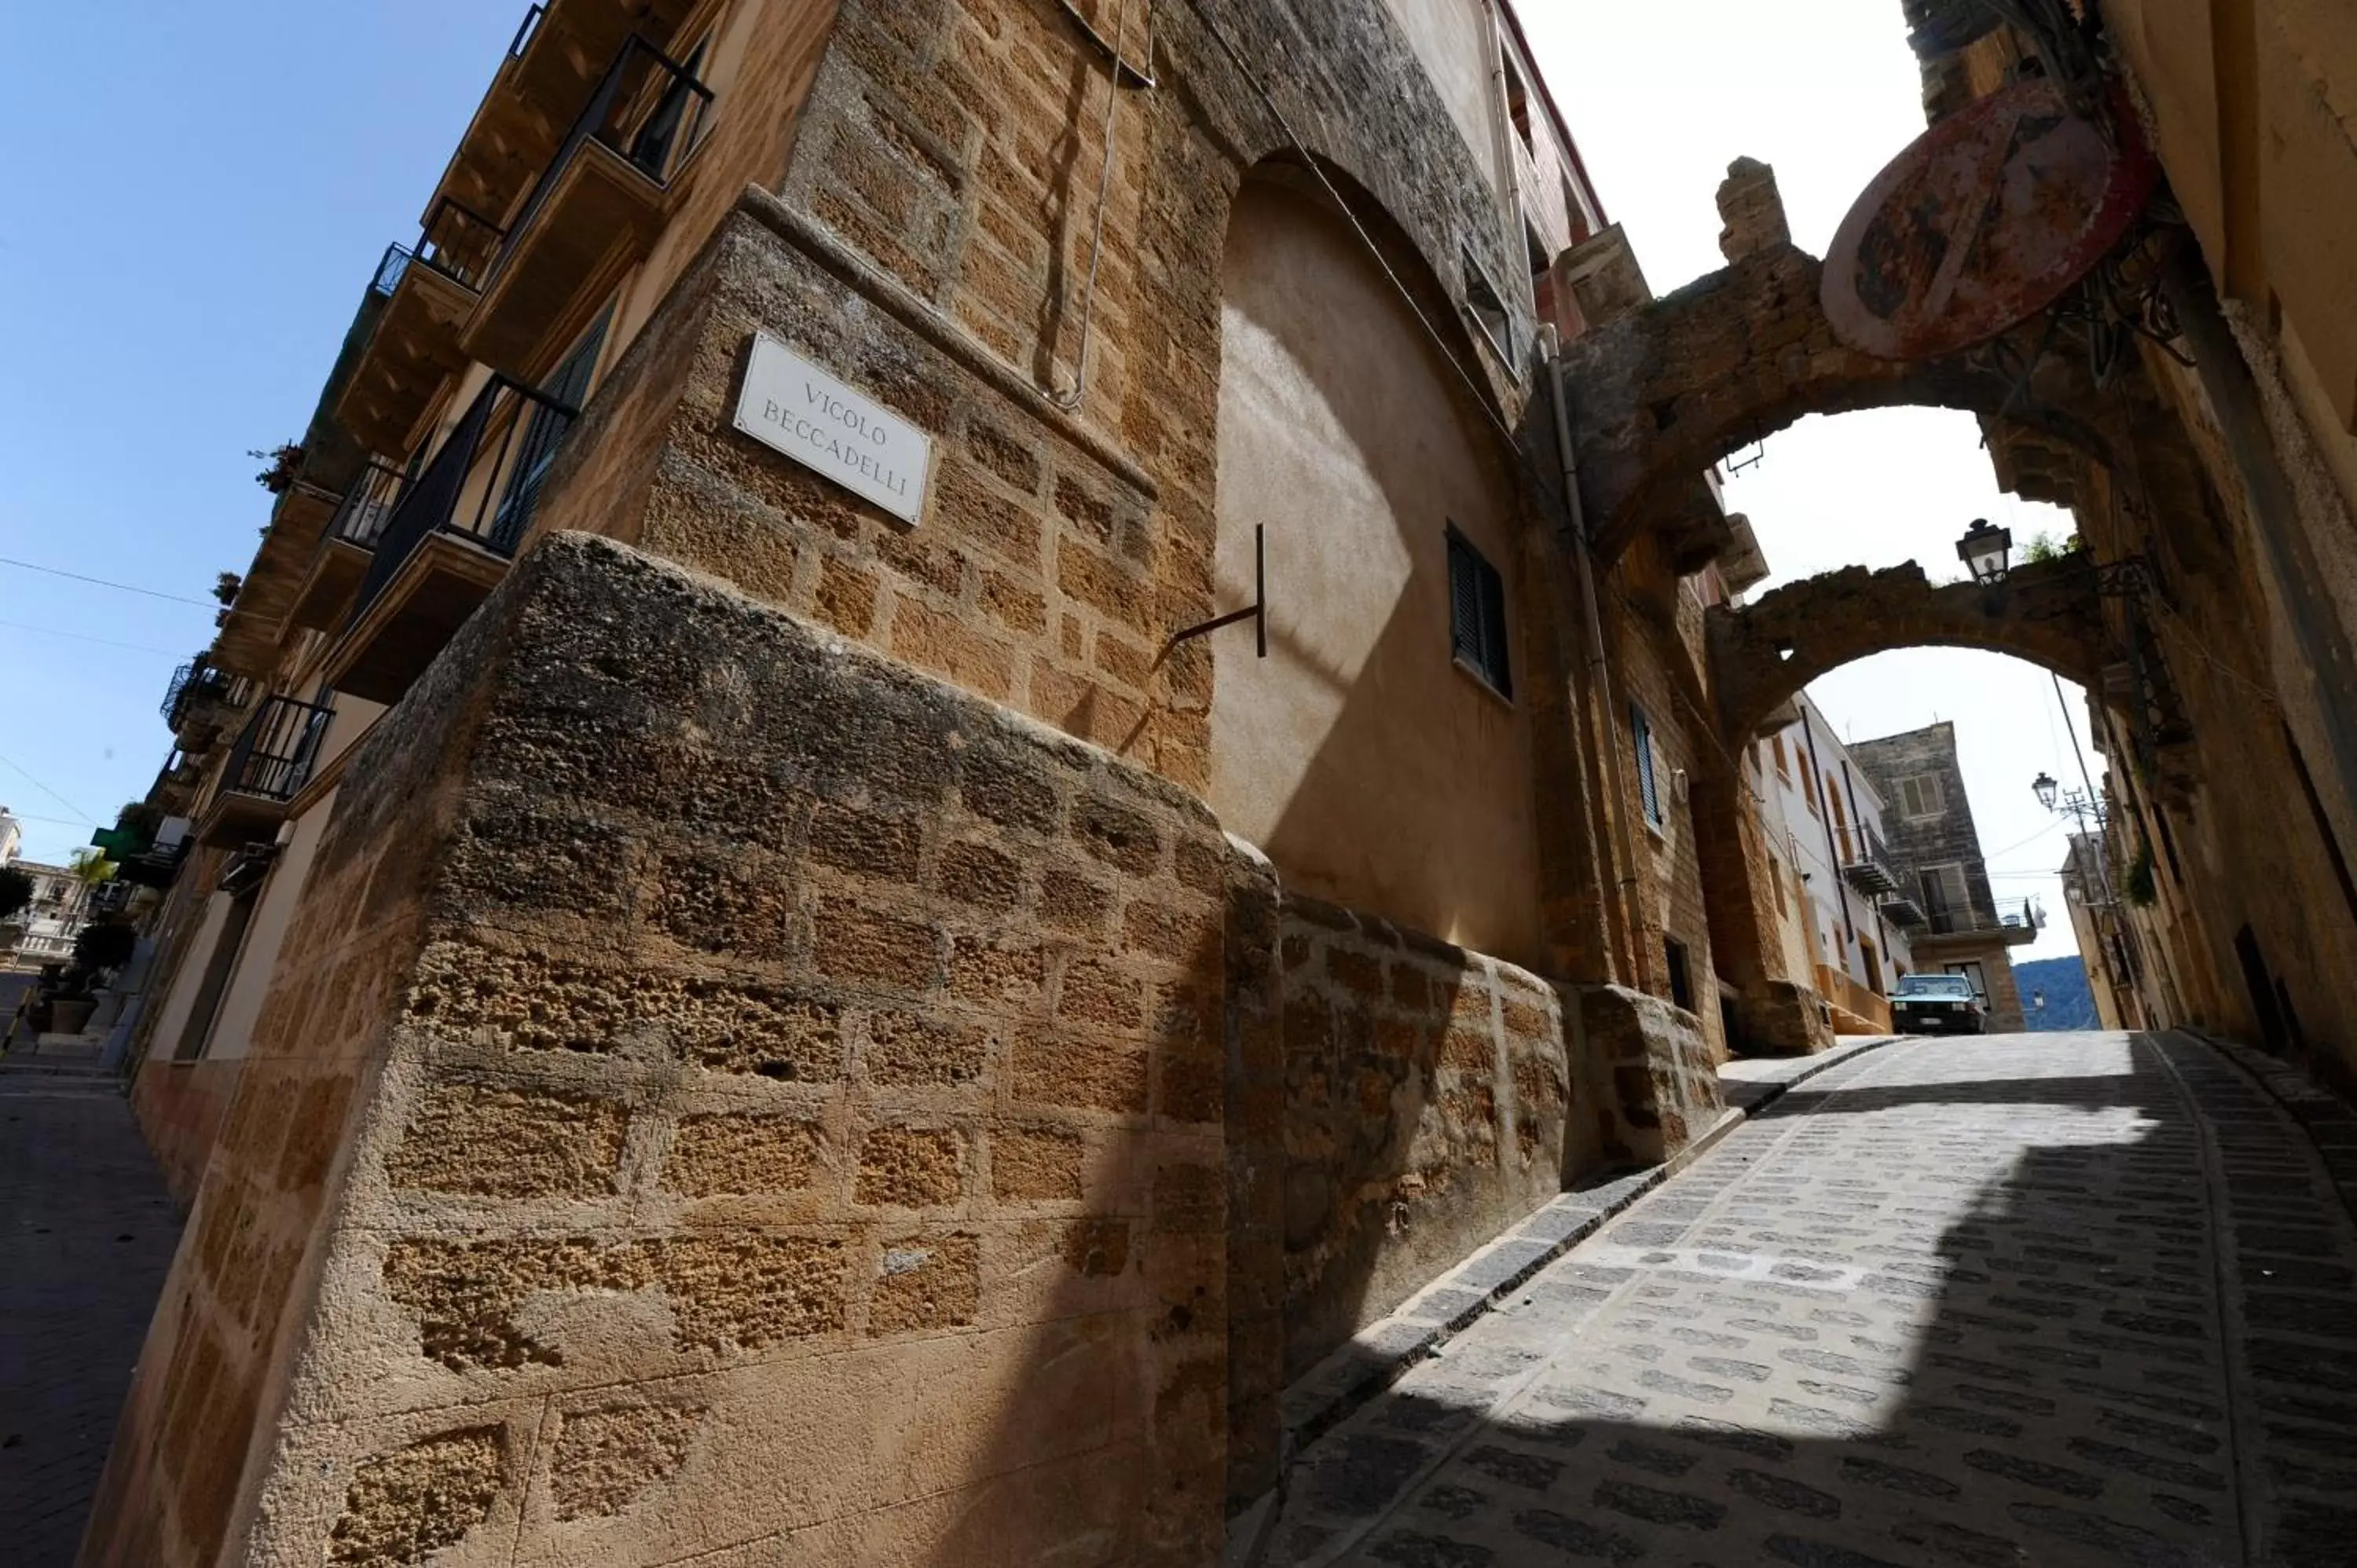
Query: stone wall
(788, 1104)
(1430, 1103)
(1655, 669)
(1919, 843)
(1764, 652)
(1395, 1103)
(1664, 1089)
(927, 241)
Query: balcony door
(543, 434)
(1946, 898)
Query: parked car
(1936, 1004)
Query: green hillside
(2063, 983)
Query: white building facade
(1846, 908)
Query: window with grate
(1477, 615)
(1648, 788)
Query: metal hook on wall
(1256, 611)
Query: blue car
(1936, 1004)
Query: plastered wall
(1343, 440)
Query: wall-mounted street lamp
(1985, 550)
(2043, 787)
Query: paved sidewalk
(86, 1237)
(1750, 1083)
(2041, 1300)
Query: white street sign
(792, 405)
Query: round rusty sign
(1984, 220)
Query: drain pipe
(1637, 958)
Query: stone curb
(2328, 1120)
(1379, 1354)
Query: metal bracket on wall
(1124, 73)
(1256, 612)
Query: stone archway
(1661, 388)
(1763, 654)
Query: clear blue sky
(195, 199)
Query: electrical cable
(84, 637)
(52, 794)
(53, 822)
(102, 583)
(1071, 401)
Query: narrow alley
(2047, 1300)
(86, 1238)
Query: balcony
(553, 65)
(595, 206)
(446, 542)
(430, 289)
(1901, 910)
(267, 767)
(198, 704)
(1866, 865)
(2015, 922)
(346, 547)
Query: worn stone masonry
(1763, 653)
(750, 1049)
(1669, 387)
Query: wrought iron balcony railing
(194, 685)
(389, 268)
(459, 242)
(482, 484)
(359, 518)
(272, 758)
(647, 107)
(1866, 863)
(2010, 915)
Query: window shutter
(1493, 630)
(1464, 601)
(1641, 736)
(1477, 614)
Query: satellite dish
(1983, 221)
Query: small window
(1518, 103)
(1674, 953)
(1783, 767)
(1776, 880)
(1809, 793)
(1649, 789)
(1920, 795)
(1487, 308)
(1477, 615)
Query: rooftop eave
(248, 643)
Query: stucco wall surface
(1343, 440)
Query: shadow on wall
(2041, 1377)
(1370, 767)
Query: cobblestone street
(2012, 1300)
(86, 1237)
